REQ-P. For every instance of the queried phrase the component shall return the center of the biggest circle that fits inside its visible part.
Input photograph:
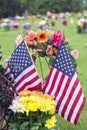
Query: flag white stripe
(71, 101)
(50, 81)
(56, 83)
(77, 108)
(67, 94)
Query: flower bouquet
(33, 110)
(79, 27)
(82, 26)
(26, 26)
(39, 42)
(43, 25)
(14, 25)
(45, 43)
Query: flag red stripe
(7, 67)
(35, 87)
(63, 94)
(69, 98)
(74, 104)
(24, 77)
(46, 84)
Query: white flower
(17, 107)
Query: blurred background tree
(13, 7)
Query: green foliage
(54, 6)
(12, 7)
(29, 123)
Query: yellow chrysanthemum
(50, 123)
(31, 107)
(38, 101)
(24, 99)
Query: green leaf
(24, 125)
(35, 126)
(3, 124)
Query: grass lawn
(78, 41)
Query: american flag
(22, 70)
(64, 85)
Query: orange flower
(30, 38)
(24, 93)
(38, 93)
(42, 36)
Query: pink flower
(64, 22)
(74, 53)
(57, 38)
(49, 50)
(31, 36)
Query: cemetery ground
(77, 40)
